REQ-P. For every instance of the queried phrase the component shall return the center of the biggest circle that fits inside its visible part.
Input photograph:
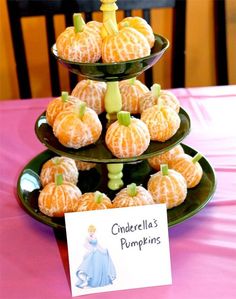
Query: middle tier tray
(98, 152)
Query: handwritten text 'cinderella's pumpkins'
(146, 240)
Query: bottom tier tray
(28, 187)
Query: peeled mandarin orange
(162, 122)
(59, 104)
(123, 45)
(156, 96)
(131, 196)
(94, 201)
(127, 137)
(189, 167)
(95, 26)
(84, 165)
(81, 42)
(165, 158)
(168, 186)
(140, 25)
(168, 98)
(92, 93)
(59, 165)
(58, 198)
(78, 127)
(131, 90)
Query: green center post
(113, 101)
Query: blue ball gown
(96, 269)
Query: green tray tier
(98, 152)
(28, 187)
(116, 71)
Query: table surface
(34, 261)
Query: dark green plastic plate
(116, 71)
(28, 187)
(98, 152)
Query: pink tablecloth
(33, 263)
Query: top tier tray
(116, 71)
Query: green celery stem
(132, 81)
(98, 197)
(156, 89)
(123, 118)
(82, 108)
(110, 27)
(56, 161)
(78, 22)
(196, 158)
(64, 96)
(132, 189)
(164, 169)
(59, 179)
(125, 24)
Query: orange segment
(140, 198)
(155, 97)
(140, 25)
(94, 201)
(75, 131)
(55, 200)
(57, 105)
(192, 172)
(127, 44)
(84, 46)
(162, 122)
(131, 90)
(126, 141)
(165, 158)
(59, 165)
(92, 93)
(84, 165)
(170, 189)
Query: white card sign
(118, 249)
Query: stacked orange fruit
(159, 96)
(94, 201)
(127, 137)
(131, 196)
(189, 167)
(124, 44)
(84, 165)
(162, 122)
(141, 26)
(84, 42)
(168, 186)
(81, 42)
(165, 158)
(59, 165)
(92, 93)
(131, 90)
(59, 197)
(77, 127)
(59, 104)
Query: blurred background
(200, 49)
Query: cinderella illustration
(97, 268)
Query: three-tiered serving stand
(110, 173)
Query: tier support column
(113, 102)
(113, 105)
(108, 8)
(115, 176)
